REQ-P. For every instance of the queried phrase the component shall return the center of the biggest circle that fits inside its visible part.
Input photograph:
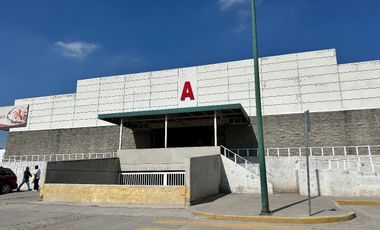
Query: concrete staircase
(240, 175)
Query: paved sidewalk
(281, 205)
(20, 209)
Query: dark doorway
(185, 136)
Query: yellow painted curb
(358, 202)
(276, 219)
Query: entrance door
(185, 137)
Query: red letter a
(187, 91)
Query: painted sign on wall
(188, 87)
(13, 116)
(187, 91)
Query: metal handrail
(58, 157)
(236, 156)
(322, 150)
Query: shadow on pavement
(209, 199)
(295, 203)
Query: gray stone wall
(77, 140)
(343, 128)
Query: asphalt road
(23, 210)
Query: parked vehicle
(8, 180)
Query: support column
(215, 130)
(166, 131)
(120, 132)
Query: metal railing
(363, 164)
(58, 157)
(363, 150)
(153, 178)
(240, 160)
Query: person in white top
(37, 176)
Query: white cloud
(76, 49)
(226, 4)
(243, 19)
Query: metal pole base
(265, 213)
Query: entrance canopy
(230, 113)
(194, 119)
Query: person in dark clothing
(37, 176)
(25, 179)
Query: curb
(276, 219)
(358, 202)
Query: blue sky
(45, 46)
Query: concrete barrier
(115, 194)
(204, 176)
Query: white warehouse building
(172, 122)
(344, 101)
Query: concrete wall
(339, 183)
(115, 194)
(96, 171)
(360, 84)
(291, 83)
(204, 176)
(281, 172)
(284, 176)
(237, 179)
(19, 167)
(161, 159)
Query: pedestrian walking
(37, 176)
(25, 179)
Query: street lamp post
(259, 119)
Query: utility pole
(259, 119)
(306, 139)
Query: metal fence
(58, 157)
(364, 150)
(153, 178)
(362, 164)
